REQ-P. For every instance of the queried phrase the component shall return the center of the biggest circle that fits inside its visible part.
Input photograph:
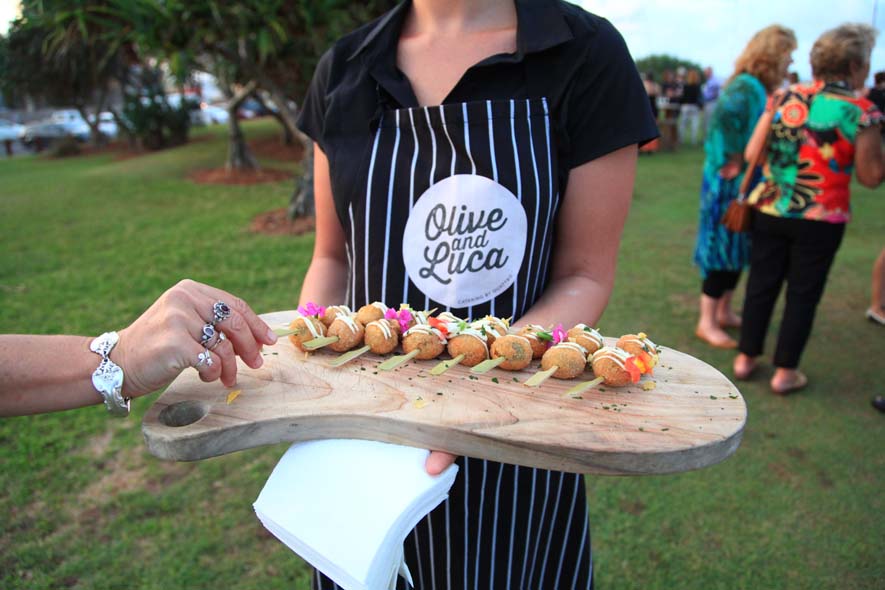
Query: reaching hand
(190, 325)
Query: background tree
(657, 64)
(268, 45)
(55, 55)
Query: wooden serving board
(694, 416)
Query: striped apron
(457, 213)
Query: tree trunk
(288, 136)
(123, 126)
(302, 203)
(95, 135)
(239, 157)
(288, 113)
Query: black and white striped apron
(457, 212)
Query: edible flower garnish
(403, 317)
(642, 363)
(439, 325)
(633, 369)
(559, 334)
(311, 308)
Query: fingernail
(259, 360)
(272, 338)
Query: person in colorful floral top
(720, 254)
(818, 136)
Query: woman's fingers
(228, 358)
(438, 461)
(206, 362)
(260, 331)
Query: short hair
(838, 49)
(879, 78)
(764, 55)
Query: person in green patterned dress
(820, 134)
(719, 253)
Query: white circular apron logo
(465, 240)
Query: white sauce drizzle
(426, 329)
(309, 323)
(340, 309)
(573, 346)
(475, 334)
(385, 328)
(590, 333)
(380, 306)
(349, 321)
(618, 355)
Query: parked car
(209, 114)
(39, 135)
(72, 121)
(107, 124)
(10, 131)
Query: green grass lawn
(88, 243)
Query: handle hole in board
(183, 413)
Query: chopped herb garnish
(664, 429)
(641, 429)
(713, 397)
(494, 379)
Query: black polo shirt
(577, 60)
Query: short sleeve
(608, 107)
(736, 115)
(870, 116)
(311, 119)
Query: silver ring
(221, 338)
(207, 335)
(204, 358)
(220, 312)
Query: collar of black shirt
(540, 25)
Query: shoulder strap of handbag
(751, 167)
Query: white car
(73, 123)
(212, 115)
(107, 125)
(10, 131)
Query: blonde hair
(838, 49)
(764, 55)
(693, 77)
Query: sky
(713, 32)
(709, 32)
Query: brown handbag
(738, 215)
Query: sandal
(875, 317)
(800, 383)
(745, 375)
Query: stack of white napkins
(345, 506)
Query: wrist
(108, 378)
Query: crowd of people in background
(808, 139)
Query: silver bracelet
(108, 377)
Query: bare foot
(744, 366)
(715, 336)
(729, 320)
(786, 381)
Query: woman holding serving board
(479, 157)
